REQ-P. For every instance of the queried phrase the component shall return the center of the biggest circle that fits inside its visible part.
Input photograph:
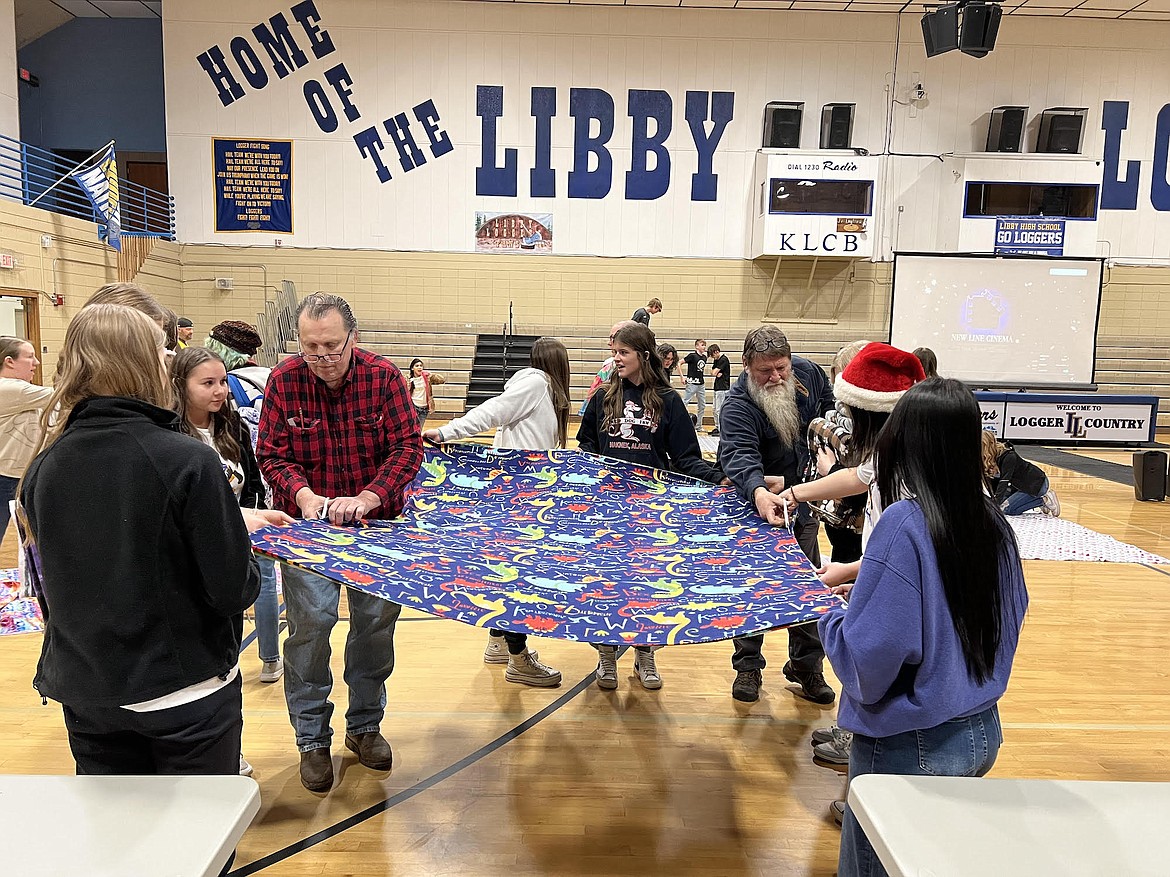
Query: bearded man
(763, 423)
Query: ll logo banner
(99, 181)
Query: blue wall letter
(542, 181)
(249, 62)
(586, 104)
(369, 144)
(280, 45)
(340, 79)
(643, 184)
(1159, 185)
(320, 107)
(705, 184)
(429, 117)
(408, 152)
(213, 62)
(489, 179)
(306, 13)
(1117, 194)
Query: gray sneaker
(823, 735)
(834, 753)
(837, 811)
(272, 670)
(526, 670)
(606, 667)
(646, 669)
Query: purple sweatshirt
(895, 649)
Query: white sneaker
(834, 753)
(496, 651)
(606, 667)
(1051, 504)
(646, 669)
(272, 670)
(245, 768)
(525, 669)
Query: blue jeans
(310, 603)
(7, 495)
(964, 747)
(1020, 502)
(267, 608)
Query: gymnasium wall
(476, 83)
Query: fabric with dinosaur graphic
(568, 545)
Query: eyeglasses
(764, 345)
(328, 357)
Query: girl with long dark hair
(925, 648)
(638, 418)
(532, 413)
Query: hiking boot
(746, 686)
(525, 669)
(837, 811)
(715, 431)
(812, 685)
(245, 768)
(317, 770)
(1051, 505)
(497, 651)
(835, 752)
(646, 669)
(272, 670)
(823, 735)
(606, 667)
(372, 750)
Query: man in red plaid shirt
(339, 439)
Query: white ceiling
(1149, 10)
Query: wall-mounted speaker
(979, 28)
(1061, 129)
(1149, 475)
(782, 125)
(940, 30)
(1005, 131)
(837, 126)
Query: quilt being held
(568, 545)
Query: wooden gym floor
(492, 778)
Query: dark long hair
(641, 340)
(550, 356)
(225, 423)
(930, 450)
(867, 425)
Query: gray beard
(779, 406)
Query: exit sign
(7, 260)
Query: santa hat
(877, 377)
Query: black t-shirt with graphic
(723, 382)
(666, 443)
(696, 365)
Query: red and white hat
(877, 377)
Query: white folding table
(958, 826)
(124, 826)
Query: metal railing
(27, 171)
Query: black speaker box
(782, 126)
(1149, 475)
(1060, 131)
(940, 30)
(837, 126)
(980, 28)
(1005, 131)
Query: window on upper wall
(833, 197)
(1056, 200)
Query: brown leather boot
(372, 750)
(317, 770)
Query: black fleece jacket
(146, 565)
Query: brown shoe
(372, 750)
(317, 770)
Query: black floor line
(421, 786)
(250, 638)
(1155, 569)
(1118, 473)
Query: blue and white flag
(100, 182)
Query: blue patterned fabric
(568, 545)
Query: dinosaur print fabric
(568, 545)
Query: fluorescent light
(1068, 272)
